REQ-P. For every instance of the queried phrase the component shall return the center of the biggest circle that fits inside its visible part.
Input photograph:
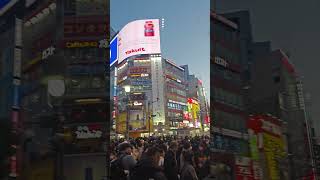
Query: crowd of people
(161, 158)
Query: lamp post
(127, 94)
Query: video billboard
(139, 37)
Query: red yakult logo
(135, 50)
(148, 28)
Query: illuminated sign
(139, 37)
(77, 44)
(113, 50)
(136, 103)
(84, 132)
(192, 101)
(41, 15)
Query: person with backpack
(148, 167)
(121, 166)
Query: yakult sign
(139, 37)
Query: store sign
(78, 44)
(136, 103)
(138, 70)
(140, 82)
(221, 61)
(84, 132)
(192, 101)
(48, 52)
(41, 15)
(257, 171)
(139, 37)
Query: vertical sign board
(113, 50)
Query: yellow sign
(274, 149)
(81, 44)
(121, 123)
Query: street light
(127, 90)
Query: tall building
(228, 125)
(11, 15)
(176, 97)
(276, 89)
(59, 95)
(134, 74)
(196, 93)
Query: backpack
(117, 170)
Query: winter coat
(171, 166)
(145, 170)
(188, 172)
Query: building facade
(284, 99)
(61, 104)
(228, 124)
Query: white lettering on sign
(83, 132)
(220, 61)
(48, 52)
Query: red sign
(135, 50)
(265, 123)
(192, 101)
(243, 167)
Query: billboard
(113, 50)
(139, 37)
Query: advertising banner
(139, 37)
(114, 50)
(84, 138)
(121, 122)
(257, 171)
(137, 120)
(273, 149)
(243, 168)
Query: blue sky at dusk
(185, 38)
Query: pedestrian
(186, 147)
(188, 171)
(121, 166)
(148, 167)
(171, 168)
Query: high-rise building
(176, 98)
(228, 124)
(62, 89)
(277, 89)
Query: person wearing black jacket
(148, 168)
(171, 168)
